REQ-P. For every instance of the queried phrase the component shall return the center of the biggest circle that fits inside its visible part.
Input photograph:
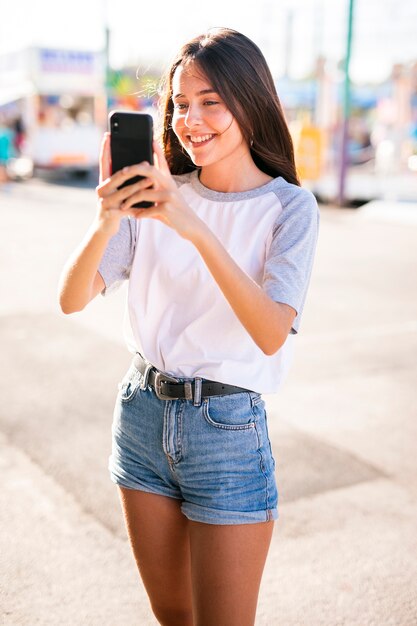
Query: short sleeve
(117, 260)
(289, 259)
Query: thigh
(227, 562)
(159, 536)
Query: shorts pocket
(130, 385)
(231, 412)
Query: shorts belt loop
(145, 377)
(197, 391)
(188, 390)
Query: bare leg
(159, 536)
(227, 562)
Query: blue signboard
(73, 61)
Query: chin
(198, 162)
(201, 161)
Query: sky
(291, 33)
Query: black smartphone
(131, 135)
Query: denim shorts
(215, 457)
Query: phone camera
(115, 125)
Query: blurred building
(57, 100)
(382, 138)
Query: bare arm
(80, 280)
(267, 322)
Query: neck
(241, 175)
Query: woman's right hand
(110, 198)
(80, 279)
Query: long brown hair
(237, 70)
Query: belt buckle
(160, 378)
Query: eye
(179, 105)
(210, 102)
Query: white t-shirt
(180, 321)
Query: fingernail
(126, 169)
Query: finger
(114, 182)
(137, 213)
(159, 178)
(148, 195)
(154, 211)
(116, 198)
(105, 158)
(161, 161)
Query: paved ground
(343, 431)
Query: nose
(193, 116)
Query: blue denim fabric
(216, 457)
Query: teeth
(200, 139)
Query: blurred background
(346, 74)
(343, 428)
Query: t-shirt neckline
(222, 196)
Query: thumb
(105, 158)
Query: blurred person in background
(7, 150)
(218, 273)
(19, 135)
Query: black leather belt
(168, 388)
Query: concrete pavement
(343, 432)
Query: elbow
(272, 347)
(68, 307)
(278, 329)
(67, 310)
(270, 351)
(71, 301)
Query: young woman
(218, 271)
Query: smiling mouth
(202, 140)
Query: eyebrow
(199, 93)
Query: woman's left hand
(170, 207)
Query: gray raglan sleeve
(289, 260)
(117, 260)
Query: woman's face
(203, 124)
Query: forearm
(77, 278)
(267, 322)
